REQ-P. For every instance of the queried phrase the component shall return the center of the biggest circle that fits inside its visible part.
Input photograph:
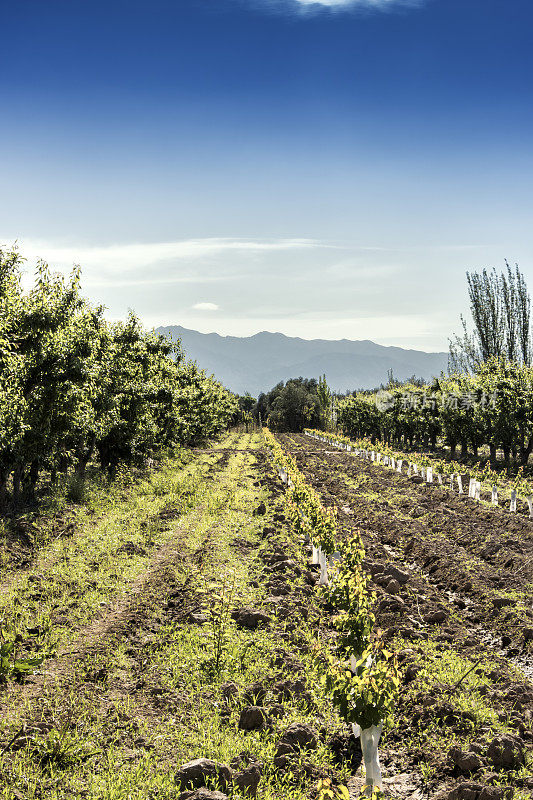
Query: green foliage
(60, 748)
(501, 315)
(350, 596)
(13, 667)
(219, 598)
(74, 387)
(492, 407)
(365, 696)
(324, 397)
(327, 792)
(291, 406)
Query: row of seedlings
(359, 674)
(446, 473)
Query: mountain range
(257, 363)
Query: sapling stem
(356, 729)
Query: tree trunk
(4, 475)
(17, 475)
(29, 481)
(525, 452)
(84, 459)
(492, 448)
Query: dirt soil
(462, 577)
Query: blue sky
(326, 170)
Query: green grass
(177, 712)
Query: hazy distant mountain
(256, 363)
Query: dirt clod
(506, 752)
(195, 774)
(250, 618)
(252, 718)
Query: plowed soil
(462, 577)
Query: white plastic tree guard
(460, 484)
(494, 495)
(429, 475)
(529, 501)
(323, 580)
(512, 506)
(369, 745)
(315, 557)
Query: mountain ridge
(256, 363)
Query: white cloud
(118, 258)
(333, 3)
(206, 307)
(316, 5)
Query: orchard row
(432, 470)
(75, 387)
(492, 408)
(360, 676)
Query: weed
(327, 792)
(60, 748)
(10, 665)
(76, 489)
(219, 595)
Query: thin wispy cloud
(311, 6)
(340, 3)
(119, 258)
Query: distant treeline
(491, 407)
